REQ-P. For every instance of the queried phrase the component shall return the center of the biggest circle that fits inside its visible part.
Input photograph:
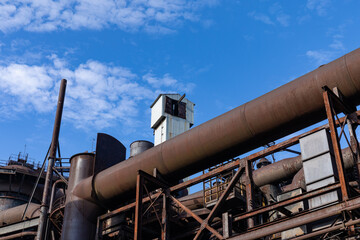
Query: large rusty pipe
(80, 215)
(14, 215)
(287, 109)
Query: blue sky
(119, 55)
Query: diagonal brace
(196, 217)
(220, 202)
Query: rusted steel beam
(341, 226)
(262, 176)
(240, 130)
(196, 217)
(52, 156)
(287, 202)
(164, 221)
(220, 202)
(299, 220)
(335, 144)
(138, 207)
(339, 101)
(99, 229)
(249, 192)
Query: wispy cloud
(98, 95)
(274, 16)
(49, 15)
(320, 56)
(261, 17)
(335, 48)
(320, 6)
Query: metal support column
(165, 221)
(352, 123)
(336, 145)
(227, 224)
(138, 207)
(49, 174)
(249, 192)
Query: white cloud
(98, 95)
(320, 56)
(129, 15)
(166, 80)
(320, 6)
(275, 12)
(283, 19)
(261, 17)
(335, 48)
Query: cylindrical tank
(16, 187)
(139, 146)
(80, 215)
(285, 110)
(14, 215)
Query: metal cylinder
(285, 110)
(80, 215)
(139, 146)
(14, 215)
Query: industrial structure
(313, 194)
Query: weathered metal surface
(140, 146)
(289, 108)
(217, 208)
(293, 208)
(18, 235)
(138, 207)
(109, 151)
(300, 219)
(336, 145)
(317, 155)
(14, 215)
(19, 226)
(276, 206)
(342, 226)
(80, 215)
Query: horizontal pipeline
(287, 109)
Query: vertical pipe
(138, 207)
(80, 215)
(54, 143)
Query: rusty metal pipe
(52, 196)
(300, 219)
(80, 215)
(53, 147)
(18, 235)
(14, 215)
(285, 110)
(288, 167)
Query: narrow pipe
(53, 193)
(299, 220)
(52, 156)
(18, 235)
(287, 109)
